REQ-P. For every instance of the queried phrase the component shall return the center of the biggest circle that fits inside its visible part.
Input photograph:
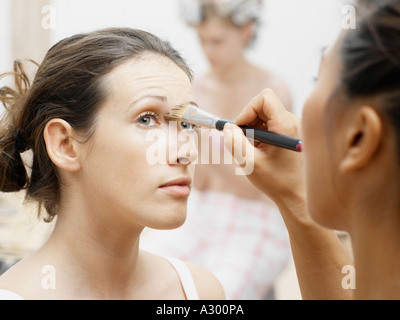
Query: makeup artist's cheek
(306, 123)
(312, 115)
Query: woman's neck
(104, 259)
(233, 71)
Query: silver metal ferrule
(199, 117)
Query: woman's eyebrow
(147, 96)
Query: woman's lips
(177, 187)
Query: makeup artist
(347, 177)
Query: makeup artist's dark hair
(370, 56)
(68, 85)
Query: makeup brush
(192, 114)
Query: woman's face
(222, 42)
(320, 158)
(126, 174)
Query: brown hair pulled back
(68, 85)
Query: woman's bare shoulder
(10, 281)
(207, 285)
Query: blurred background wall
(289, 43)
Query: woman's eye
(188, 126)
(148, 120)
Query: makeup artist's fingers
(240, 148)
(263, 106)
(267, 111)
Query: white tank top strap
(186, 278)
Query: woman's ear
(363, 138)
(59, 137)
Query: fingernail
(229, 126)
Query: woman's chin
(175, 218)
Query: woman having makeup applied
(347, 177)
(85, 119)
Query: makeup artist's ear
(61, 145)
(363, 138)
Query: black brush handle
(268, 137)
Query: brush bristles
(190, 113)
(177, 112)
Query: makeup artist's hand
(277, 171)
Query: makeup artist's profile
(347, 176)
(84, 120)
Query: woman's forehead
(151, 76)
